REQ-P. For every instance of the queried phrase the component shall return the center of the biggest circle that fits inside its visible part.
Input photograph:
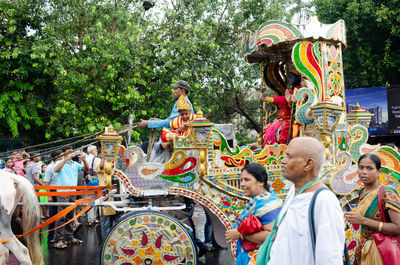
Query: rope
(87, 137)
(62, 146)
(120, 129)
(262, 104)
(57, 141)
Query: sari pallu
(266, 208)
(368, 206)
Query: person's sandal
(75, 229)
(75, 241)
(60, 245)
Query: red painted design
(231, 161)
(158, 241)
(267, 41)
(312, 60)
(128, 252)
(288, 33)
(170, 257)
(179, 169)
(226, 203)
(145, 239)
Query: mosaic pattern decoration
(148, 238)
(345, 179)
(337, 32)
(179, 169)
(304, 114)
(140, 173)
(274, 32)
(225, 175)
(229, 158)
(310, 61)
(335, 71)
(390, 161)
(126, 182)
(224, 206)
(359, 136)
(271, 155)
(269, 33)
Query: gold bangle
(380, 227)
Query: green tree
(95, 51)
(20, 80)
(91, 63)
(372, 57)
(201, 43)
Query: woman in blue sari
(265, 206)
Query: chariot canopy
(314, 50)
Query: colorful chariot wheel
(148, 238)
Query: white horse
(12, 187)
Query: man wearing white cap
(92, 155)
(92, 160)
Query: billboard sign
(383, 102)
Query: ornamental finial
(199, 114)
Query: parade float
(203, 167)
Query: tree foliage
(372, 57)
(80, 65)
(19, 103)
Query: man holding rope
(181, 87)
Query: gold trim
(222, 190)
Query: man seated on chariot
(158, 153)
(180, 125)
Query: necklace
(307, 186)
(366, 191)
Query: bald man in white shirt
(292, 245)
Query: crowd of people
(67, 167)
(310, 223)
(311, 227)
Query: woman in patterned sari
(263, 205)
(368, 214)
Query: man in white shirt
(92, 160)
(292, 245)
(92, 155)
(50, 178)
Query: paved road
(88, 253)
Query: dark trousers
(107, 222)
(144, 146)
(52, 212)
(64, 233)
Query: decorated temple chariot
(204, 168)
